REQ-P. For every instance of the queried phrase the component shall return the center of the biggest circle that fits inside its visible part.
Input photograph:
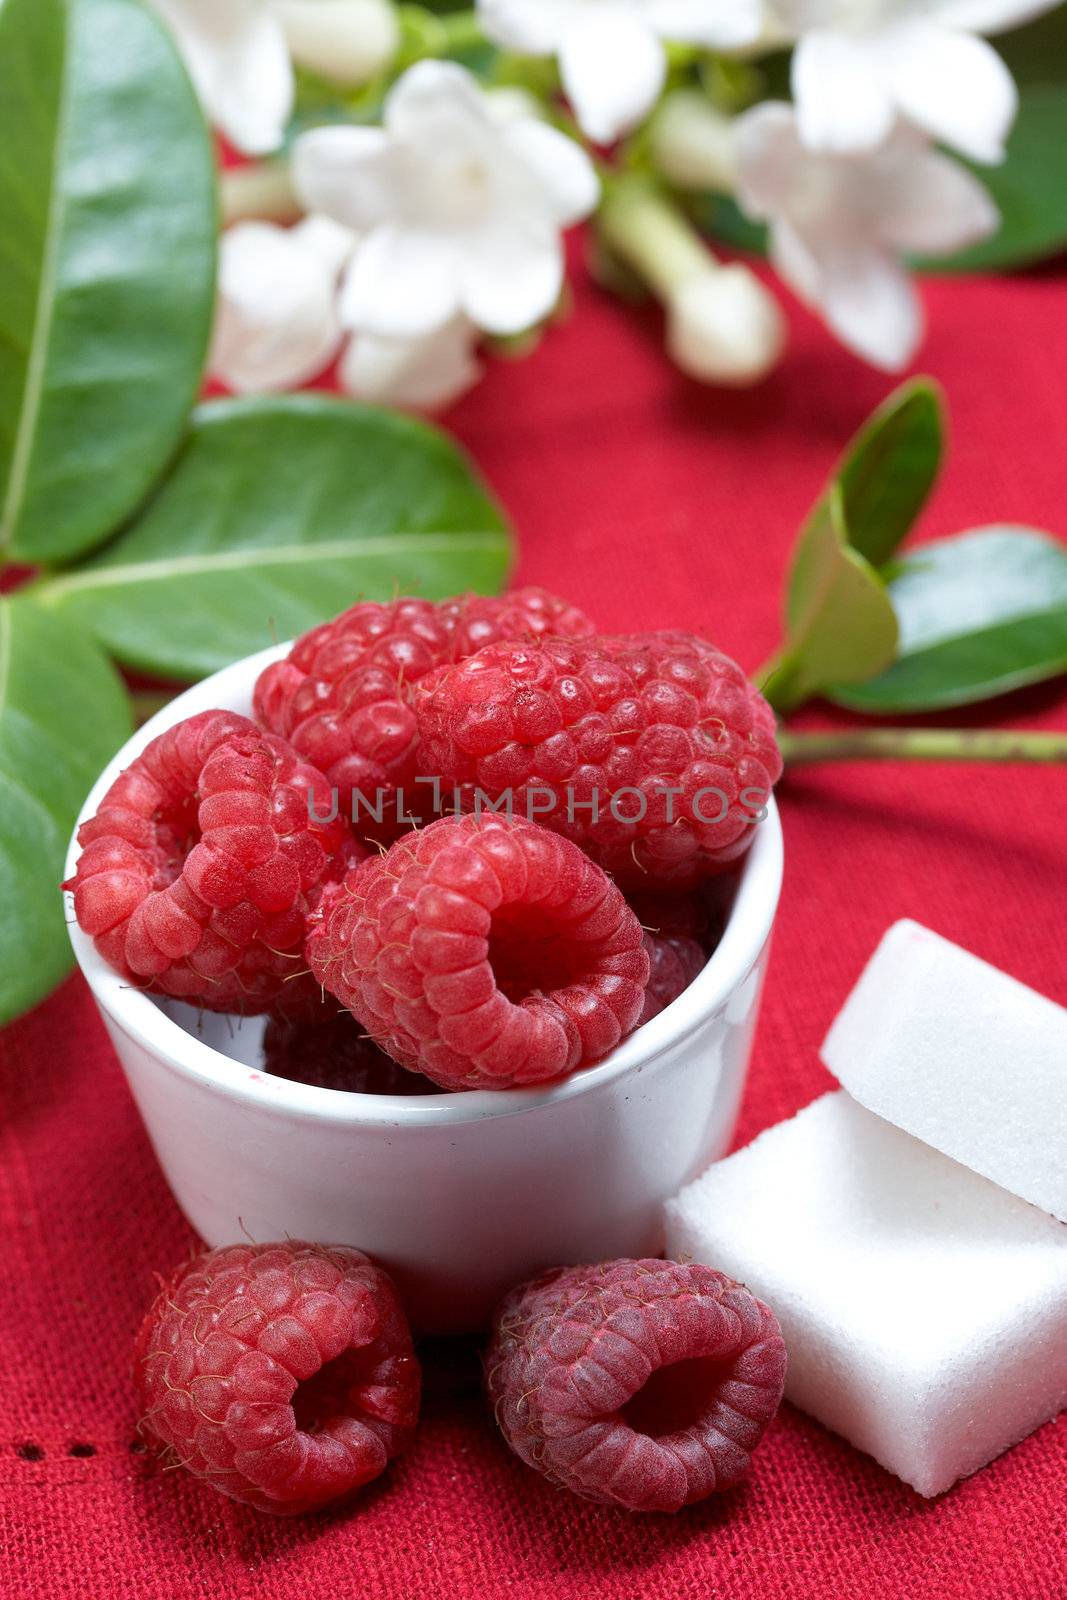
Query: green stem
(462, 30)
(923, 744)
(641, 226)
(264, 193)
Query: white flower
(860, 63)
(238, 55)
(610, 52)
(838, 224)
(423, 374)
(276, 323)
(723, 327)
(462, 210)
(238, 59)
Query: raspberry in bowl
(459, 1195)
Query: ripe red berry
(334, 1053)
(675, 962)
(641, 1384)
(473, 620)
(198, 870)
(485, 952)
(698, 916)
(283, 1375)
(342, 695)
(652, 751)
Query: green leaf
(885, 476)
(107, 266)
(1030, 187)
(842, 628)
(63, 714)
(980, 614)
(276, 515)
(720, 216)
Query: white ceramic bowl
(460, 1196)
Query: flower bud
(345, 41)
(692, 143)
(724, 327)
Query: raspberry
(675, 962)
(335, 1053)
(283, 1375)
(474, 621)
(652, 750)
(681, 916)
(342, 697)
(641, 1384)
(199, 868)
(485, 952)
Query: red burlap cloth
(651, 502)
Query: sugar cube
(964, 1057)
(924, 1309)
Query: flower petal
(841, 102)
(404, 282)
(512, 275)
(439, 102)
(276, 324)
(238, 60)
(564, 173)
(953, 85)
(986, 16)
(349, 174)
(933, 206)
(425, 374)
(329, 242)
(718, 24)
(794, 262)
(613, 68)
(801, 16)
(869, 302)
(532, 27)
(770, 158)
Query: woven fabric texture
(649, 502)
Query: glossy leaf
(842, 628)
(63, 714)
(107, 266)
(885, 477)
(980, 614)
(276, 515)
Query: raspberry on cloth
(283, 1375)
(641, 1384)
(485, 952)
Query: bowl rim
(137, 1015)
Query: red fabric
(649, 502)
